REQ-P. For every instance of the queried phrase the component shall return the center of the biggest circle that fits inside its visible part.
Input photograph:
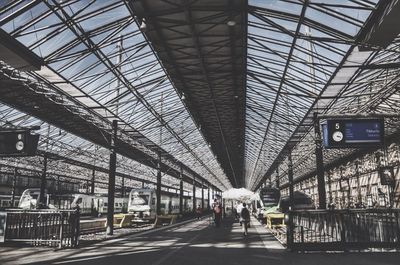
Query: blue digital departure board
(353, 133)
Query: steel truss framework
(293, 58)
(99, 68)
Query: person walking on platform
(217, 209)
(245, 219)
(198, 212)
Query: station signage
(18, 143)
(353, 133)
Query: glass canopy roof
(302, 57)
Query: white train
(31, 197)
(142, 203)
(97, 204)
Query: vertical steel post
(14, 184)
(320, 163)
(194, 194)
(290, 227)
(202, 195)
(181, 190)
(93, 182)
(290, 177)
(330, 188)
(123, 187)
(359, 196)
(158, 190)
(277, 179)
(111, 180)
(209, 202)
(42, 201)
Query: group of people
(241, 211)
(217, 212)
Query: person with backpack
(245, 219)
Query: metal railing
(42, 227)
(343, 229)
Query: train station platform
(193, 243)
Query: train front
(140, 205)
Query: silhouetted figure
(217, 209)
(245, 219)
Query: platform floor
(195, 243)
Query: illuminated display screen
(353, 133)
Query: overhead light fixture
(183, 96)
(231, 23)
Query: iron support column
(194, 194)
(202, 196)
(290, 227)
(93, 175)
(123, 187)
(111, 180)
(209, 202)
(42, 201)
(14, 184)
(158, 190)
(290, 177)
(181, 190)
(320, 163)
(277, 179)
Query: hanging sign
(353, 133)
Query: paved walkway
(196, 243)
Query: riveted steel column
(277, 179)
(181, 190)
(158, 191)
(202, 195)
(290, 177)
(93, 182)
(42, 201)
(14, 184)
(320, 163)
(111, 180)
(194, 194)
(209, 202)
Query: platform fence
(343, 229)
(42, 227)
